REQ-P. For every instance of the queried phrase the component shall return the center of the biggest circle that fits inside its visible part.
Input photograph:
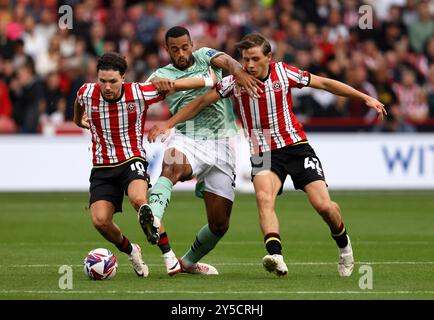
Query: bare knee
(324, 208)
(219, 228)
(264, 199)
(101, 223)
(138, 201)
(175, 166)
(174, 172)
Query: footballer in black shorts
(111, 182)
(299, 161)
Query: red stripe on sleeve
(150, 94)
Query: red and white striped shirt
(117, 127)
(269, 120)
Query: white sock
(169, 254)
(346, 249)
(134, 250)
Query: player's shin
(273, 262)
(163, 243)
(346, 258)
(340, 236)
(159, 197)
(125, 246)
(272, 243)
(169, 257)
(205, 241)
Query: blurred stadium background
(43, 63)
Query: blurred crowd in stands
(42, 63)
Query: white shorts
(212, 162)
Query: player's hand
(157, 130)
(237, 90)
(84, 123)
(249, 83)
(377, 106)
(162, 84)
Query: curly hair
(112, 61)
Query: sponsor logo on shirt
(211, 52)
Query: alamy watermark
(366, 18)
(66, 278)
(66, 17)
(366, 281)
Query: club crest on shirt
(131, 107)
(211, 52)
(277, 86)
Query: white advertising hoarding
(386, 161)
(350, 161)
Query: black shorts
(299, 161)
(111, 183)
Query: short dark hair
(176, 32)
(112, 61)
(254, 40)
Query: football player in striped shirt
(279, 145)
(115, 113)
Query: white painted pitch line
(328, 263)
(316, 243)
(238, 264)
(406, 292)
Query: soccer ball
(100, 264)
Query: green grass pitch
(391, 232)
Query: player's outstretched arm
(243, 78)
(196, 83)
(168, 86)
(190, 110)
(342, 89)
(80, 119)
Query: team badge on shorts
(277, 86)
(131, 107)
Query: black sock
(341, 237)
(272, 243)
(163, 243)
(125, 246)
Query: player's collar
(268, 74)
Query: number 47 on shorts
(312, 162)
